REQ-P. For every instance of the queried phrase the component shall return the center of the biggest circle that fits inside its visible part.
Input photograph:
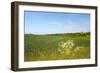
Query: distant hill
(64, 34)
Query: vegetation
(57, 46)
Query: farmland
(64, 46)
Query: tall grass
(57, 46)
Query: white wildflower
(66, 46)
(77, 49)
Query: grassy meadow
(65, 46)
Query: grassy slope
(45, 47)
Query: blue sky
(55, 22)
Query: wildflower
(66, 46)
(77, 49)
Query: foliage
(57, 46)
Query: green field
(57, 46)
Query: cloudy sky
(55, 22)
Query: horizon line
(57, 33)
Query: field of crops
(57, 46)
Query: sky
(55, 22)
